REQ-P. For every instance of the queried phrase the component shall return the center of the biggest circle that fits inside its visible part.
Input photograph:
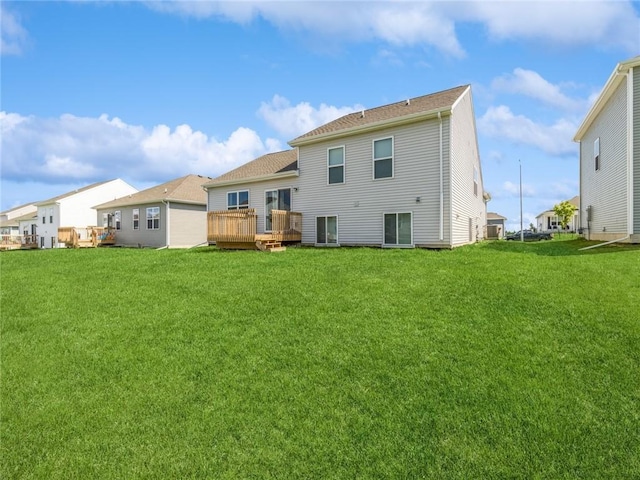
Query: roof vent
(362, 114)
(408, 102)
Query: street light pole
(521, 230)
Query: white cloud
(599, 22)
(71, 148)
(510, 189)
(13, 36)
(293, 120)
(531, 84)
(556, 139)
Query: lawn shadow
(561, 248)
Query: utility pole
(521, 230)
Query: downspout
(630, 132)
(441, 183)
(605, 243)
(168, 209)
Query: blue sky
(149, 91)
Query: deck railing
(14, 242)
(286, 226)
(232, 225)
(240, 226)
(76, 237)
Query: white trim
(259, 178)
(397, 245)
(290, 188)
(315, 228)
(608, 90)
(146, 218)
(374, 160)
(344, 164)
(441, 216)
(237, 192)
(133, 225)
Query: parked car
(530, 236)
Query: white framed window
(51, 215)
(596, 153)
(153, 218)
(136, 218)
(475, 181)
(335, 165)
(238, 200)
(44, 220)
(327, 230)
(117, 219)
(383, 158)
(105, 220)
(398, 229)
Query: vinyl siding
(361, 201)
(188, 225)
(218, 196)
(636, 150)
(606, 189)
(469, 216)
(128, 237)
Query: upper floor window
(136, 218)
(335, 165)
(44, 219)
(153, 218)
(238, 200)
(596, 153)
(51, 215)
(383, 158)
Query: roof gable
(607, 91)
(417, 107)
(187, 189)
(277, 163)
(70, 194)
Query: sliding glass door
(275, 200)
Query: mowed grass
(498, 360)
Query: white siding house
(548, 221)
(609, 140)
(402, 175)
(75, 209)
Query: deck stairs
(270, 246)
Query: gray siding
(218, 196)
(636, 150)
(606, 189)
(361, 201)
(469, 215)
(187, 225)
(128, 237)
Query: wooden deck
(88, 237)
(237, 229)
(18, 242)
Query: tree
(564, 210)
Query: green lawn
(499, 360)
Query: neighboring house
(75, 209)
(169, 215)
(609, 140)
(406, 174)
(9, 223)
(548, 221)
(495, 225)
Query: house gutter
(260, 178)
(441, 183)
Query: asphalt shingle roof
(423, 104)
(187, 189)
(269, 164)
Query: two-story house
(75, 208)
(609, 140)
(406, 174)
